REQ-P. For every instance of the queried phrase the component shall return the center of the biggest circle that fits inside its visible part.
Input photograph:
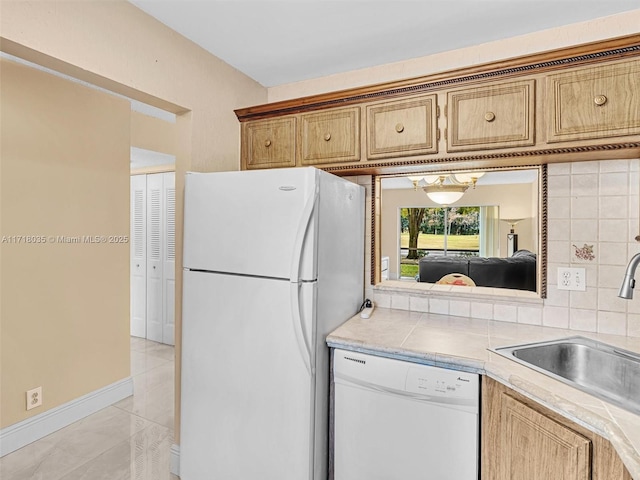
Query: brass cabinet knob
(489, 116)
(267, 143)
(327, 137)
(399, 128)
(600, 100)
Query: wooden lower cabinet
(522, 440)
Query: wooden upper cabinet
(269, 143)
(536, 447)
(495, 116)
(329, 137)
(595, 102)
(402, 128)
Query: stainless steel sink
(603, 370)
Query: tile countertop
(462, 343)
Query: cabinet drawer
(402, 128)
(269, 143)
(594, 102)
(498, 116)
(329, 137)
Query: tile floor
(126, 441)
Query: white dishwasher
(402, 420)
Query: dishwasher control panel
(441, 383)
(436, 384)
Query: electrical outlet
(34, 398)
(572, 279)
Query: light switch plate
(572, 279)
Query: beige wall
(63, 172)
(600, 29)
(513, 201)
(117, 46)
(151, 133)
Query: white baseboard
(23, 433)
(174, 459)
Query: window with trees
(440, 231)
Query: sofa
(516, 272)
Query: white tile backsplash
(613, 166)
(584, 185)
(559, 186)
(505, 313)
(585, 167)
(614, 184)
(612, 322)
(613, 230)
(459, 308)
(613, 254)
(583, 319)
(610, 276)
(557, 317)
(582, 207)
(614, 207)
(608, 301)
(589, 203)
(419, 304)
(556, 298)
(558, 208)
(530, 315)
(400, 302)
(583, 230)
(439, 305)
(633, 325)
(482, 310)
(583, 300)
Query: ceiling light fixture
(468, 177)
(415, 180)
(445, 194)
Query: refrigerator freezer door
(247, 394)
(251, 223)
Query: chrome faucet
(626, 290)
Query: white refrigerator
(274, 261)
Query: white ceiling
(279, 42)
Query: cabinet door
(594, 102)
(168, 257)
(329, 137)
(138, 256)
(536, 447)
(154, 257)
(496, 116)
(523, 440)
(269, 143)
(402, 128)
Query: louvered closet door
(169, 258)
(138, 238)
(155, 235)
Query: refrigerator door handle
(305, 219)
(303, 344)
